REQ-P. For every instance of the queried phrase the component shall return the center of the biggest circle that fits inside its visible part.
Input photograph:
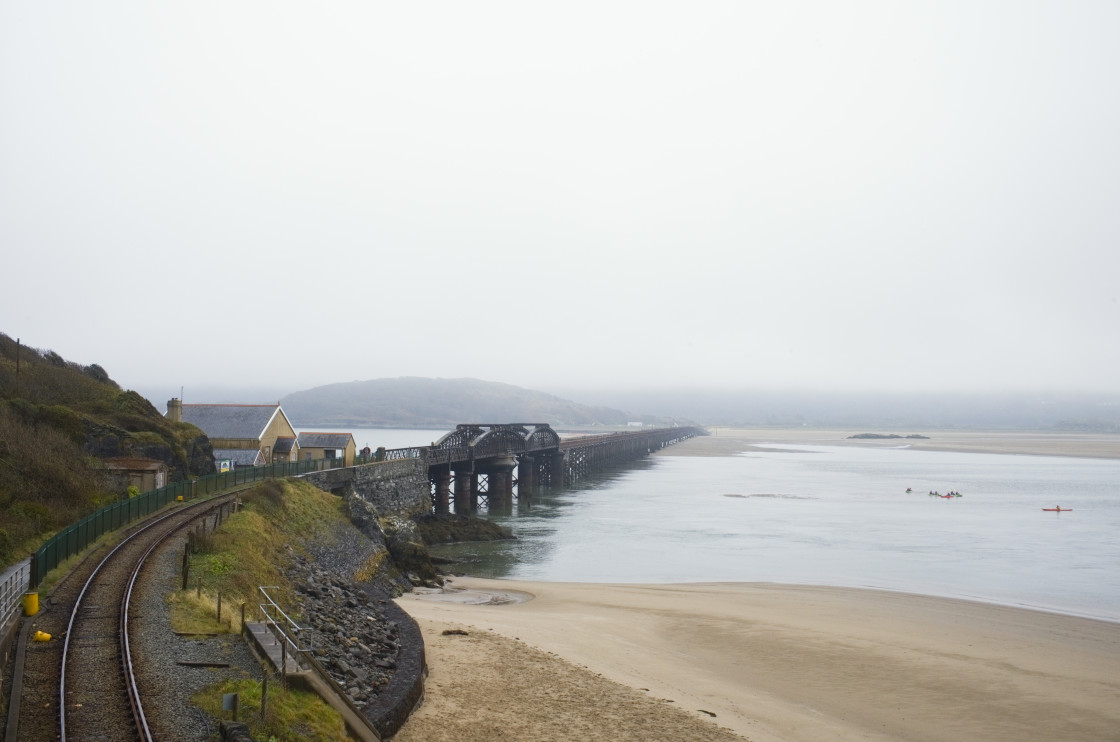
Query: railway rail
(95, 695)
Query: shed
(143, 474)
(328, 446)
(286, 449)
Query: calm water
(834, 516)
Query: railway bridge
(487, 461)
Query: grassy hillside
(412, 402)
(256, 546)
(58, 421)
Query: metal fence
(74, 539)
(13, 585)
(390, 454)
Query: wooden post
(242, 617)
(186, 564)
(219, 607)
(264, 695)
(283, 662)
(236, 704)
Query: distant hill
(414, 402)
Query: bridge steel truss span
(483, 463)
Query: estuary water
(832, 515)
(824, 515)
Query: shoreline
(724, 441)
(767, 662)
(784, 663)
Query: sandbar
(728, 441)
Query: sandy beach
(764, 662)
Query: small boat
(1058, 509)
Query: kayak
(1058, 510)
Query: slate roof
(230, 420)
(325, 440)
(239, 456)
(284, 444)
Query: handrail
(308, 657)
(270, 603)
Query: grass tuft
(192, 613)
(255, 546)
(291, 714)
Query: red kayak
(1058, 510)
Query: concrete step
(268, 646)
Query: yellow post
(30, 604)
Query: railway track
(95, 694)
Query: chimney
(175, 410)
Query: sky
(837, 196)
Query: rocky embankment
(364, 641)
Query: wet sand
(769, 663)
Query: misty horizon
(1070, 412)
(848, 198)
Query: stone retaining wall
(393, 487)
(392, 707)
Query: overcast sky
(834, 195)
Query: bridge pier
(500, 476)
(500, 492)
(466, 491)
(526, 476)
(442, 477)
(557, 467)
